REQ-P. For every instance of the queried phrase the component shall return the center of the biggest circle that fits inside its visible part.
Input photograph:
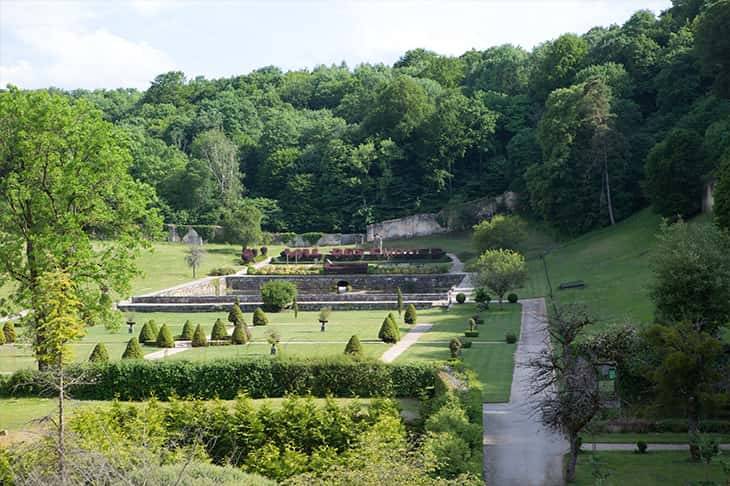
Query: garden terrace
(360, 254)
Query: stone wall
(208, 286)
(302, 298)
(417, 225)
(708, 196)
(250, 284)
(251, 306)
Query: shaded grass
(649, 438)
(659, 467)
(458, 243)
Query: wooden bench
(578, 284)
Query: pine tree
(164, 338)
(199, 338)
(259, 317)
(219, 332)
(399, 296)
(411, 316)
(148, 334)
(353, 347)
(187, 331)
(9, 332)
(134, 350)
(239, 335)
(99, 354)
(235, 316)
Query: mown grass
(658, 467)
(649, 438)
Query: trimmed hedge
(225, 379)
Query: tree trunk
(693, 428)
(573, 459)
(61, 429)
(608, 188)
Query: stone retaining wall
(302, 298)
(409, 284)
(251, 306)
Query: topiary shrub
(187, 331)
(220, 271)
(9, 332)
(277, 294)
(239, 336)
(512, 298)
(481, 296)
(164, 338)
(133, 350)
(2, 338)
(219, 332)
(510, 338)
(455, 347)
(353, 347)
(641, 447)
(465, 343)
(235, 316)
(200, 340)
(260, 318)
(99, 354)
(389, 332)
(460, 298)
(411, 317)
(148, 333)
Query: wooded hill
(581, 126)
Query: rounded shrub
(9, 332)
(219, 332)
(460, 298)
(411, 317)
(133, 350)
(481, 296)
(187, 331)
(99, 354)
(641, 447)
(200, 340)
(512, 298)
(277, 294)
(353, 347)
(260, 318)
(164, 338)
(389, 332)
(148, 333)
(455, 347)
(239, 335)
(510, 338)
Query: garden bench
(577, 284)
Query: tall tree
(219, 156)
(65, 181)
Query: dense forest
(587, 129)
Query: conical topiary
(99, 354)
(219, 332)
(259, 317)
(148, 334)
(164, 338)
(389, 332)
(9, 332)
(199, 338)
(235, 316)
(134, 350)
(394, 323)
(239, 335)
(187, 331)
(2, 338)
(411, 316)
(353, 347)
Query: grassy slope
(659, 467)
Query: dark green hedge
(136, 380)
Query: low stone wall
(302, 298)
(251, 306)
(209, 286)
(323, 284)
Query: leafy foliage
(500, 231)
(219, 331)
(389, 332)
(99, 354)
(501, 271)
(260, 318)
(133, 350)
(277, 294)
(200, 340)
(9, 332)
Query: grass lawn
(458, 243)
(493, 362)
(660, 467)
(649, 438)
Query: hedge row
(260, 378)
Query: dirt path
(518, 450)
(408, 340)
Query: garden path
(518, 450)
(650, 447)
(408, 340)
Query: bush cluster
(221, 271)
(277, 294)
(225, 379)
(510, 338)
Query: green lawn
(458, 243)
(660, 467)
(649, 438)
(493, 362)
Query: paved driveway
(517, 449)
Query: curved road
(518, 450)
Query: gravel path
(518, 450)
(408, 340)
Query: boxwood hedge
(259, 378)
